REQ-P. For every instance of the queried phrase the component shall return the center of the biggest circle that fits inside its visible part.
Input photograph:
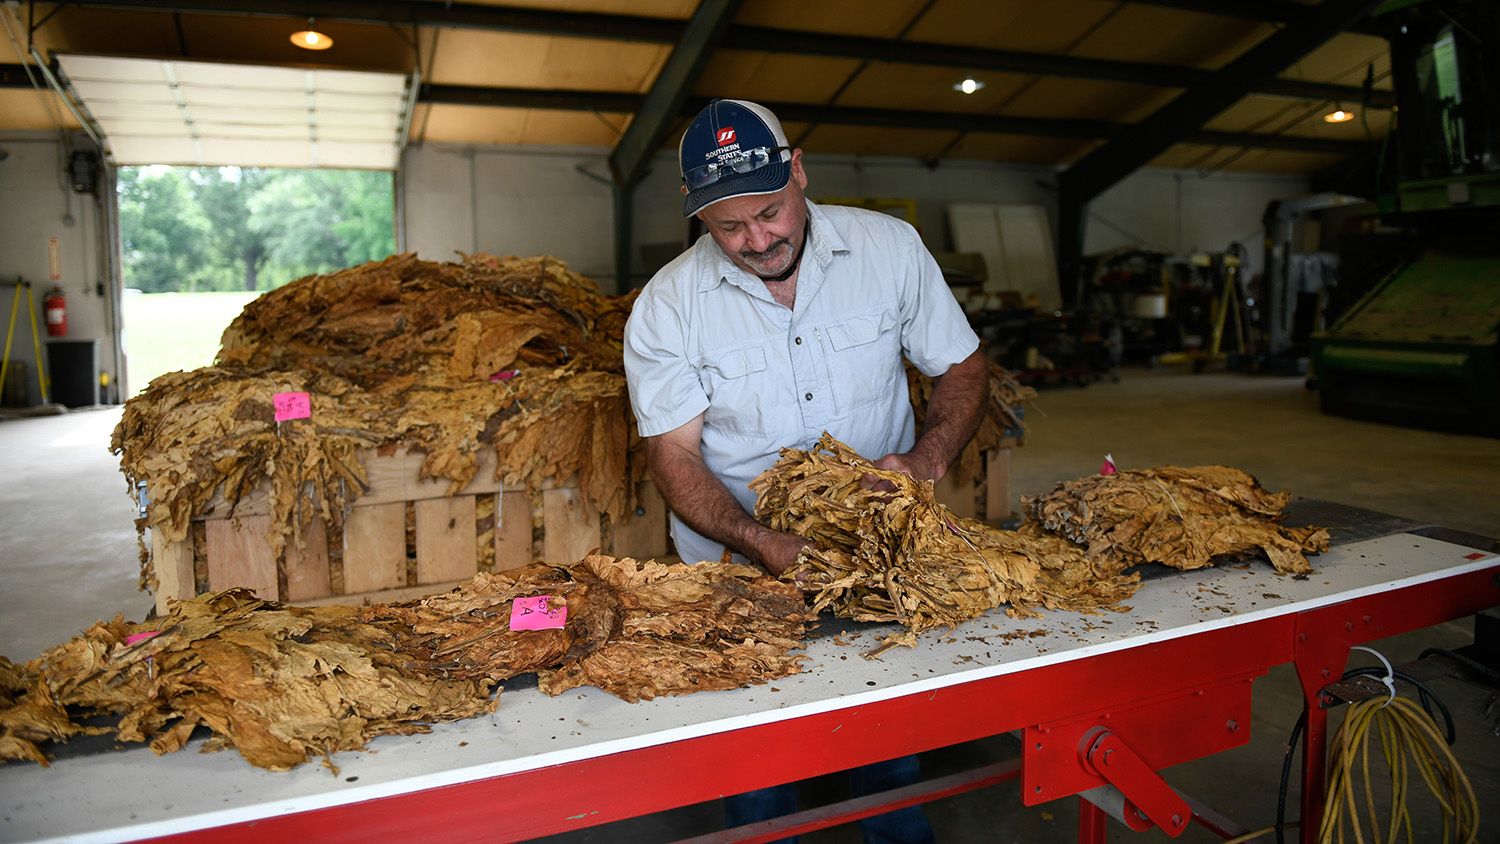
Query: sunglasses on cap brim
(747, 162)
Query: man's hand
(908, 463)
(776, 551)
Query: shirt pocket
(865, 357)
(736, 382)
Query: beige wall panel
(498, 59)
(474, 125)
(595, 65)
(1022, 149)
(1027, 25)
(873, 18)
(1343, 59)
(544, 126)
(26, 109)
(1235, 159)
(645, 8)
(870, 140)
(1088, 100)
(772, 78)
(1145, 33)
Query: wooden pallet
(405, 537)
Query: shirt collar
(822, 242)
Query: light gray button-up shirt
(707, 337)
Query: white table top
(116, 795)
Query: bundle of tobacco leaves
(687, 628)
(898, 555)
(634, 629)
(284, 684)
(1183, 518)
(999, 415)
(521, 356)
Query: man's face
(762, 234)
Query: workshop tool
(23, 288)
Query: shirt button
(798, 341)
(807, 396)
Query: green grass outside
(165, 332)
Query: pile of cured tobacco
(898, 555)
(521, 356)
(1183, 518)
(284, 684)
(517, 355)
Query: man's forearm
(702, 500)
(952, 413)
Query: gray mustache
(750, 256)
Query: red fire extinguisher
(55, 309)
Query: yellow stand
(23, 286)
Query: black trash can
(74, 368)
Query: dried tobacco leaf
(687, 628)
(284, 684)
(901, 556)
(1183, 518)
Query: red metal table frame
(1171, 701)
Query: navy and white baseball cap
(732, 148)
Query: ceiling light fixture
(1338, 115)
(311, 39)
(968, 86)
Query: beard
(774, 261)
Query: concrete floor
(69, 558)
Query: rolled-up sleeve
(935, 334)
(665, 392)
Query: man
(786, 320)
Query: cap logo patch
(726, 136)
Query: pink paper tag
(535, 614)
(505, 375)
(1108, 466)
(133, 638)
(292, 406)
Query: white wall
(536, 201)
(1180, 212)
(37, 203)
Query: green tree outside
(202, 242)
(234, 228)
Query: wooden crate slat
(307, 572)
(239, 556)
(513, 531)
(446, 545)
(375, 548)
(390, 478)
(173, 564)
(997, 484)
(642, 533)
(571, 526)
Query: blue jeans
(903, 826)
